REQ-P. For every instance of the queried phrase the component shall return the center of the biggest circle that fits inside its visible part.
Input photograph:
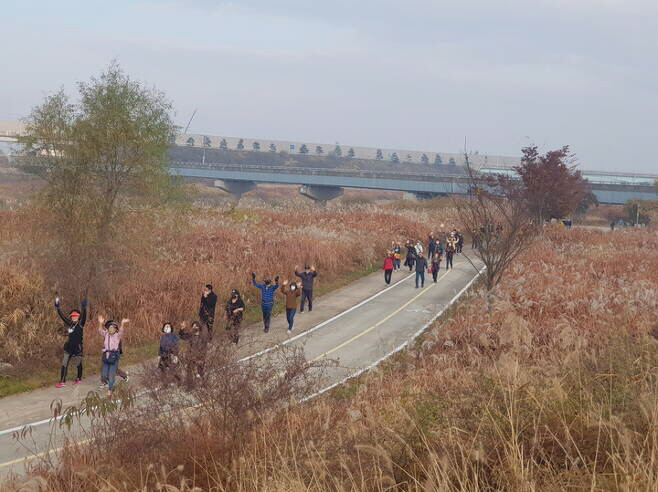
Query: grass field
(555, 388)
(168, 260)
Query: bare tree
(495, 214)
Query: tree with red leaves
(552, 188)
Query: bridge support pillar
(321, 194)
(235, 188)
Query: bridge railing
(314, 171)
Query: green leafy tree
(395, 158)
(206, 141)
(437, 160)
(452, 162)
(338, 152)
(223, 145)
(303, 149)
(255, 146)
(272, 148)
(424, 159)
(240, 145)
(106, 161)
(190, 142)
(319, 150)
(350, 153)
(379, 155)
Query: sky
(412, 74)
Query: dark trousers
(233, 326)
(410, 263)
(435, 273)
(396, 263)
(209, 322)
(76, 359)
(420, 276)
(267, 315)
(290, 316)
(449, 261)
(306, 294)
(387, 276)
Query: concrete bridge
(326, 184)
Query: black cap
(306, 267)
(209, 286)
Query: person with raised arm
(308, 277)
(73, 348)
(291, 292)
(112, 333)
(267, 298)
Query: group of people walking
(448, 244)
(198, 335)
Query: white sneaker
(102, 386)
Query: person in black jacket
(421, 265)
(307, 276)
(73, 348)
(207, 309)
(234, 312)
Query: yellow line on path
(368, 330)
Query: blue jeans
(109, 372)
(267, 315)
(421, 276)
(290, 316)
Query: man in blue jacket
(267, 298)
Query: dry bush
(190, 429)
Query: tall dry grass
(555, 389)
(163, 261)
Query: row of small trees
(319, 150)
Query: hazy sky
(414, 74)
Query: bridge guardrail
(366, 173)
(314, 171)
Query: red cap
(74, 313)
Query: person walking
(431, 246)
(291, 292)
(460, 242)
(397, 254)
(168, 354)
(421, 265)
(73, 348)
(435, 266)
(411, 255)
(196, 356)
(308, 277)
(267, 298)
(419, 248)
(207, 309)
(112, 332)
(234, 313)
(388, 267)
(450, 252)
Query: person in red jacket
(388, 267)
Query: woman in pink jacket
(112, 333)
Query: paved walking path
(358, 325)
